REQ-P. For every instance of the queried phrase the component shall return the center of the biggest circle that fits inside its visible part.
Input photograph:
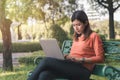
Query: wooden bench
(112, 51)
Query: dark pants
(51, 68)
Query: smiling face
(78, 26)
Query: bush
(26, 60)
(58, 33)
(24, 47)
(30, 59)
(103, 37)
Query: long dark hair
(82, 17)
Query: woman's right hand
(65, 56)
(68, 57)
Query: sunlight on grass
(94, 77)
(7, 73)
(19, 73)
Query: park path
(15, 57)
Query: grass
(21, 72)
(94, 77)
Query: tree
(6, 36)
(19, 11)
(50, 8)
(111, 6)
(8, 9)
(67, 7)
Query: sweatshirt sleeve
(98, 49)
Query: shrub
(24, 47)
(26, 60)
(103, 37)
(58, 33)
(30, 59)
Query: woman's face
(78, 26)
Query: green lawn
(21, 72)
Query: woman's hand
(65, 55)
(68, 57)
(79, 60)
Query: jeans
(51, 68)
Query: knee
(46, 75)
(46, 62)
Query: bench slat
(111, 47)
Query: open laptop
(51, 48)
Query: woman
(86, 50)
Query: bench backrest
(110, 47)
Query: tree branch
(116, 7)
(101, 3)
(104, 1)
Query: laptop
(51, 48)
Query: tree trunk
(19, 32)
(111, 25)
(111, 20)
(6, 36)
(7, 46)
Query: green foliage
(63, 20)
(58, 33)
(30, 59)
(27, 60)
(72, 1)
(103, 37)
(71, 31)
(24, 47)
(19, 10)
(114, 40)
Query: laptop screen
(51, 48)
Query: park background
(31, 20)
